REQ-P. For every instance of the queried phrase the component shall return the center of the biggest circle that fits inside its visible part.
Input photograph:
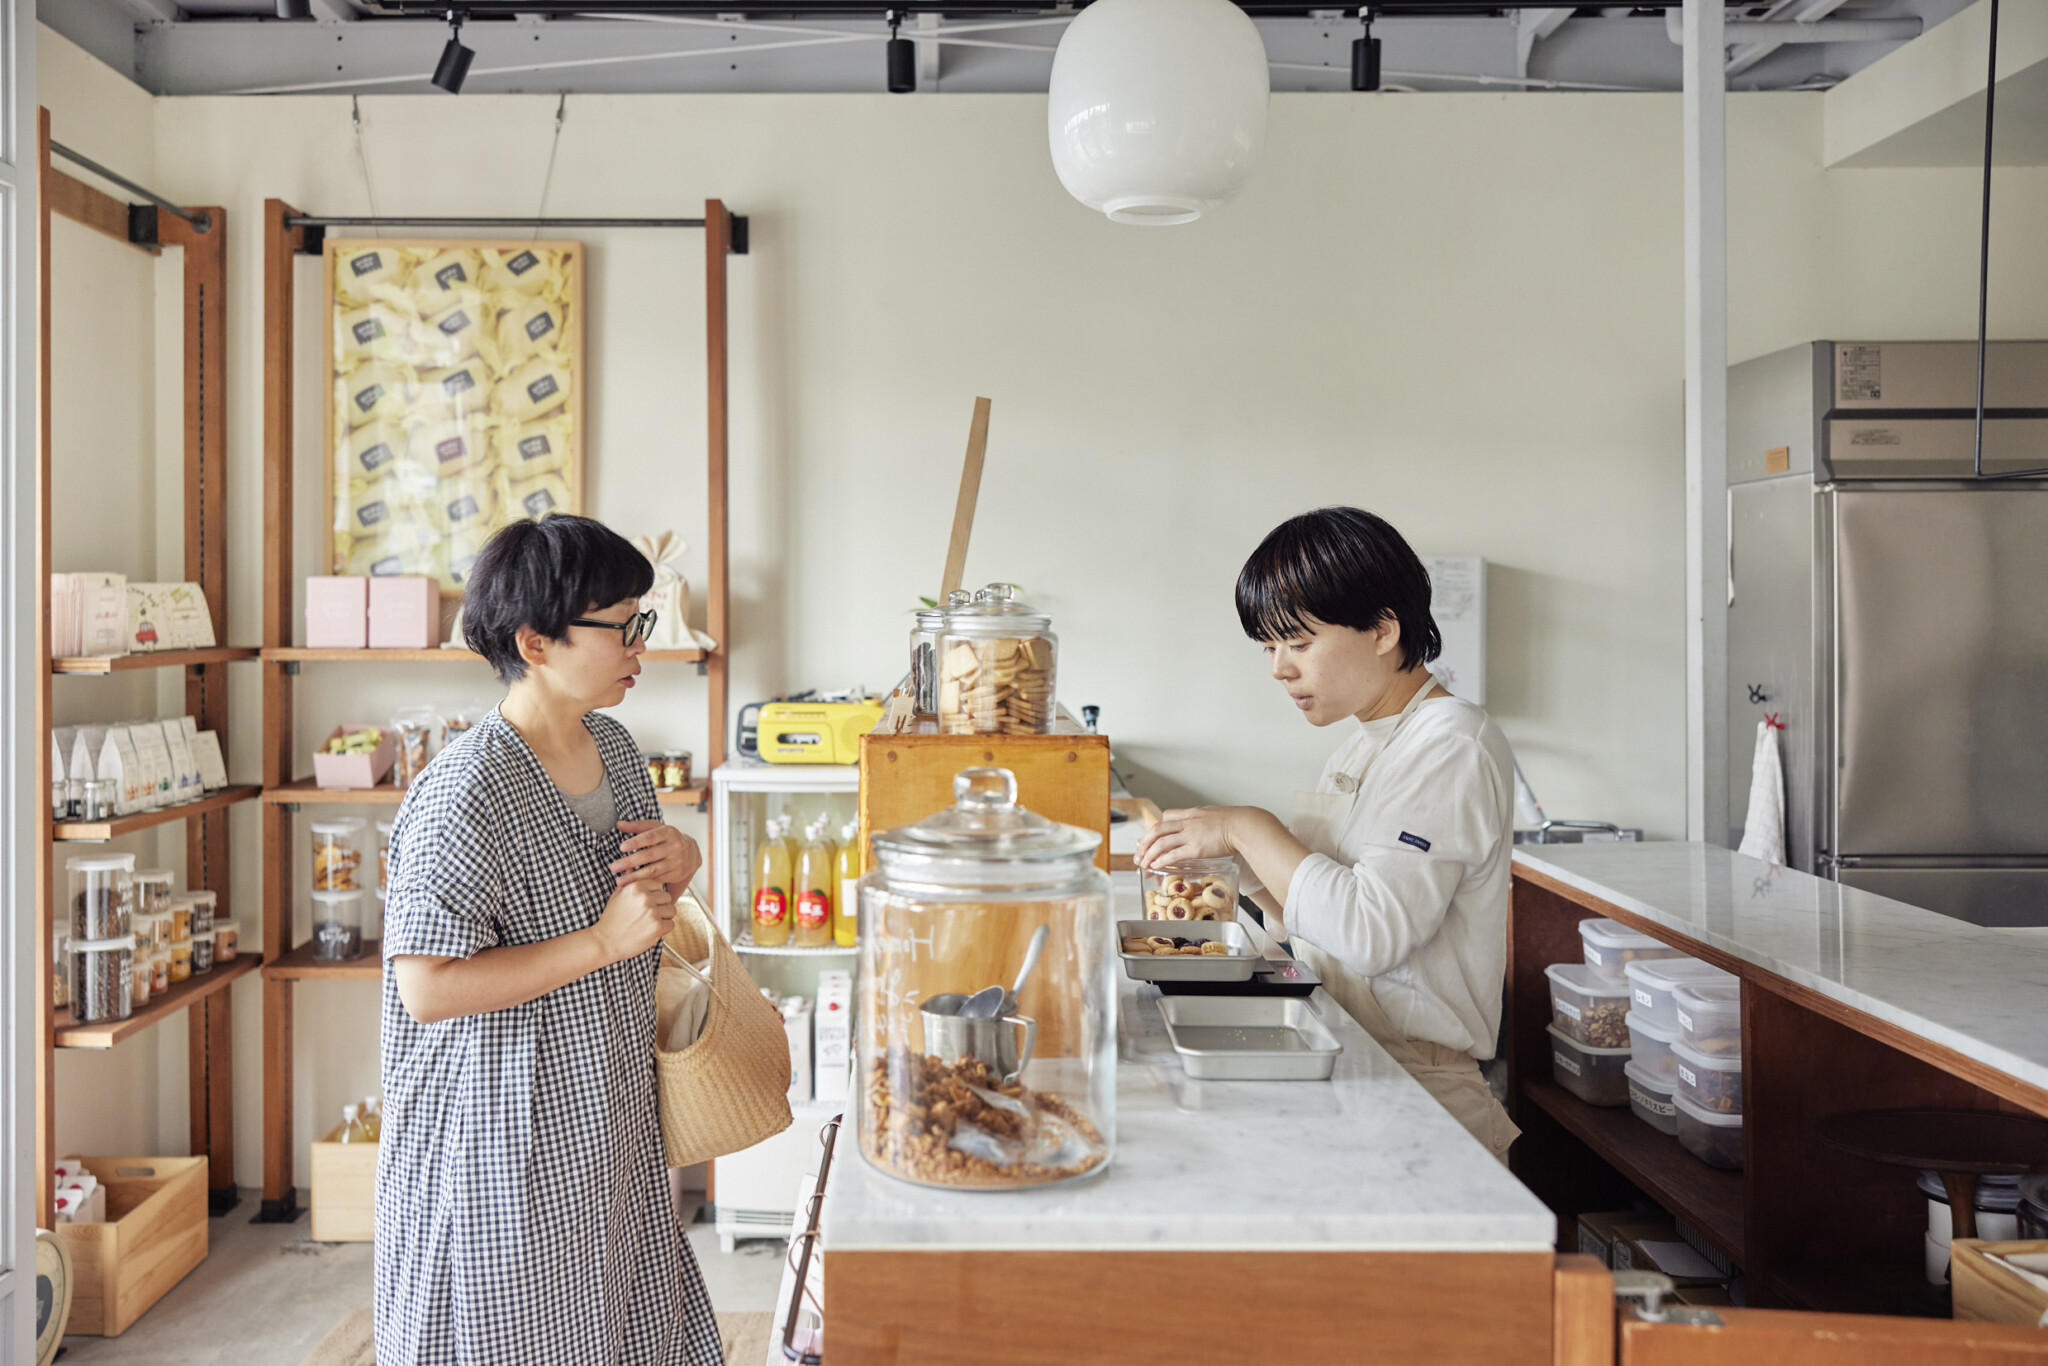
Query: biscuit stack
(996, 685)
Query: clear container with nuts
(924, 649)
(102, 979)
(338, 856)
(1200, 889)
(1025, 1093)
(997, 661)
(102, 896)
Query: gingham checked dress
(522, 1204)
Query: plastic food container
(1649, 1096)
(102, 979)
(2033, 1210)
(1587, 1006)
(178, 922)
(1611, 946)
(384, 829)
(1598, 1076)
(997, 663)
(1715, 1139)
(1711, 1081)
(1710, 1017)
(152, 891)
(227, 941)
(1202, 889)
(60, 971)
(180, 953)
(102, 896)
(1998, 1211)
(337, 925)
(159, 957)
(338, 856)
(951, 906)
(140, 987)
(198, 908)
(1649, 1044)
(1653, 983)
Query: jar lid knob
(985, 789)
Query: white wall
(1461, 311)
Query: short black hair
(1341, 566)
(540, 574)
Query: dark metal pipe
(200, 222)
(1984, 267)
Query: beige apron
(1449, 1075)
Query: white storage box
(1649, 1044)
(1652, 982)
(1715, 1139)
(1595, 1075)
(1710, 1081)
(1650, 1097)
(1710, 1017)
(1611, 946)
(1587, 1006)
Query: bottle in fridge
(772, 873)
(816, 873)
(845, 907)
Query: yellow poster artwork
(455, 398)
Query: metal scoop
(988, 1003)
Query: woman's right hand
(636, 918)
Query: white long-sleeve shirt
(1416, 914)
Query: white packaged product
(1649, 1044)
(796, 1022)
(1649, 1096)
(186, 785)
(155, 756)
(134, 782)
(1611, 946)
(213, 765)
(1710, 1017)
(834, 1033)
(1653, 983)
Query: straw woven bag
(730, 1089)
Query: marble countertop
(1978, 991)
(1363, 1162)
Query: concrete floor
(266, 1295)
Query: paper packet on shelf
(168, 616)
(185, 780)
(135, 784)
(213, 767)
(155, 755)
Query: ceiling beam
(151, 11)
(1531, 27)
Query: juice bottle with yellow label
(846, 910)
(772, 870)
(814, 883)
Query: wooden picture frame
(454, 396)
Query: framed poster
(454, 398)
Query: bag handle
(711, 934)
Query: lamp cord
(1984, 266)
(355, 115)
(548, 180)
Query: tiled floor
(265, 1296)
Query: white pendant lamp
(1157, 108)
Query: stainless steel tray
(1250, 1038)
(1237, 966)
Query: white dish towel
(1763, 834)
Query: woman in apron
(1391, 878)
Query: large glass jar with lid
(924, 649)
(997, 660)
(1016, 1087)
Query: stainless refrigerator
(1891, 612)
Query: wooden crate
(1986, 1292)
(155, 1233)
(1064, 777)
(344, 1190)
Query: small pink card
(337, 613)
(404, 612)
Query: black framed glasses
(632, 630)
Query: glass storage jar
(1026, 1094)
(924, 649)
(201, 907)
(337, 925)
(384, 829)
(102, 985)
(1196, 889)
(152, 892)
(102, 895)
(997, 661)
(338, 856)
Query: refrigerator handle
(1731, 545)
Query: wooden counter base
(1183, 1308)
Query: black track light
(453, 67)
(1365, 56)
(902, 59)
(295, 9)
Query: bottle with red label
(815, 871)
(772, 871)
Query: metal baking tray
(1250, 1038)
(1236, 966)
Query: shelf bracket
(703, 667)
(290, 808)
(291, 668)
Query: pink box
(337, 613)
(355, 770)
(404, 612)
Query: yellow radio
(815, 732)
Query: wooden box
(155, 1233)
(344, 1190)
(1986, 1292)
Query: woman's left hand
(654, 852)
(1195, 832)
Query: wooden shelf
(142, 820)
(158, 659)
(1860, 1288)
(160, 1008)
(305, 792)
(300, 965)
(1706, 1197)
(745, 944)
(296, 654)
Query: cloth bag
(1763, 833)
(669, 599)
(729, 1089)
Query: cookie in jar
(1200, 889)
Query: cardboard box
(343, 771)
(1986, 1292)
(1657, 1247)
(405, 612)
(344, 1190)
(337, 612)
(1596, 1231)
(154, 1234)
(834, 1033)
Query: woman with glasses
(522, 1201)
